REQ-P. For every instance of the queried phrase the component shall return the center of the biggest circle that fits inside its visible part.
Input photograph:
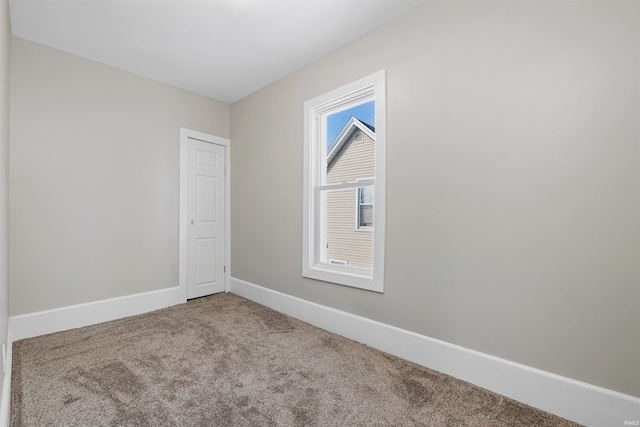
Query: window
(344, 155)
(364, 217)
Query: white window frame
(363, 90)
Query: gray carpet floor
(226, 361)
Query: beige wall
(513, 182)
(5, 59)
(94, 178)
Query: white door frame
(185, 135)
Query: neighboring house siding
(356, 160)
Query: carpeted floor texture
(226, 361)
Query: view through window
(349, 211)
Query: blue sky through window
(363, 112)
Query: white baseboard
(5, 403)
(77, 316)
(574, 400)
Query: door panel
(206, 228)
(205, 261)
(205, 199)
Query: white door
(206, 227)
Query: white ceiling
(225, 49)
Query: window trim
(371, 87)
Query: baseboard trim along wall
(77, 316)
(5, 403)
(574, 400)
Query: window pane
(366, 195)
(346, 160)
(366, 215)
(341, 240)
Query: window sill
(364, 229)
(347, 276)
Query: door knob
(191, 222)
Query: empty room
(320, 212)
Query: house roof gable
(344, 135)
